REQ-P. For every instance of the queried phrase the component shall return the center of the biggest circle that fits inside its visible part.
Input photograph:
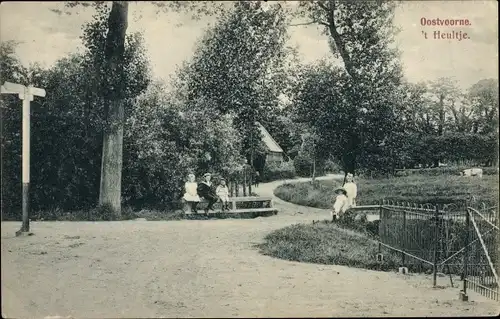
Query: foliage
(274, 171)
(419, 189)
(442, 124)
(239, 69)
(66, 132)
(354, 108)
(366, 116)
(452, 148)
(303, 165)
(166, 140)
(483, 100)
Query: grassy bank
(413, 188)
(325, 243)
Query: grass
(414, 188)
(326, 243)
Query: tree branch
(338, 39)
(322, 5)
(309, 23)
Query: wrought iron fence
(482, 252)
(452, 240)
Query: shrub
(302, 165)
(284, 170)
(325, 243)
(331, 167)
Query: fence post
(436, 242)
(250, 184)
(244, 184)
(403, 256)
(381, 228)
(463, 293)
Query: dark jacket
(206, 191)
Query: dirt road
(199, 269)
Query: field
(439, 189)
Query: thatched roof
(268, 140)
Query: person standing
(257, 179)
(351, 190)
(205, 190)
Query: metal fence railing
(482, 252)
(444, 240)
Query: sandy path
(199, 269)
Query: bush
(325, 243)
(284, 170)
(331, 167)
(302, 165)
(451, 147)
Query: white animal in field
(472, 172)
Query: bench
(365, 207)
(238, 205)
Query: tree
(114, 53)
(120, 74)
(482, 99)
(360, 34)
(238, 69)
(444, 95)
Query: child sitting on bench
(191, 194)
(223, 192)
(341, 204)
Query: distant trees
(367, 116)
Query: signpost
(26, 94)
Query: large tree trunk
(112, 150)
(112, 154)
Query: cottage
(274, 151)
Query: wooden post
(237, 186)
(250, 183)
(26, 94)
(244, 184)
(466, 252)
(25, 227)
(403, 255)
(436, 242)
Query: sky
(45, 37)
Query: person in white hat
(351, 189)
(341, 203)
